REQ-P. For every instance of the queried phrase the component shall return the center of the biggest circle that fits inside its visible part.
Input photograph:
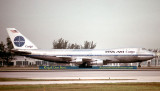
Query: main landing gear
(85, 65)
(139, 64)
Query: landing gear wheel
(139, 65)
(85, 65)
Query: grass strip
(85, 87)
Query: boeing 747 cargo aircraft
(82, 57)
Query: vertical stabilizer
(19, 41)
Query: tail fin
(19, 41)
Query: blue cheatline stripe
(89, 55)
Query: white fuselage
(124, 55)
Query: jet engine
(97, 62)
(77, 61)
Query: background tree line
(5, 52)
(64, 44)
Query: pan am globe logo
(19, 41)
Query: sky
(109, 23)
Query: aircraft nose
(153, 54)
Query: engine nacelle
(97, 62)
(77, 61)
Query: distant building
(153, 62)
(26, 61)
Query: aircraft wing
(69, 58)
(110, 59)
(65, 58)
(82, 60)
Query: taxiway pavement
(110, 76)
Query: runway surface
(110, 76)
